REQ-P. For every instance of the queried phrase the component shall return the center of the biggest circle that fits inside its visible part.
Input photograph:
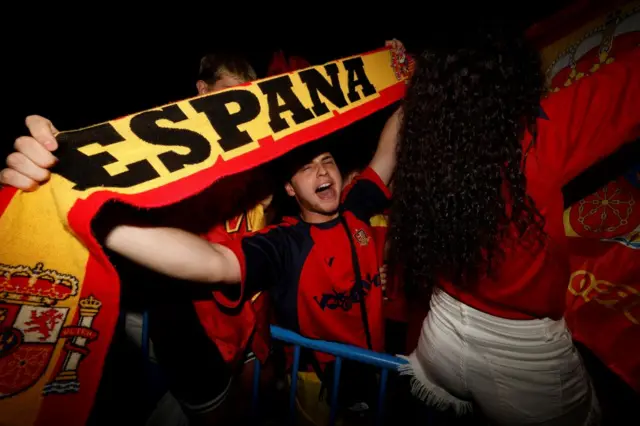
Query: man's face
(317, 187)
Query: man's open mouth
(323, 187)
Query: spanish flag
(59, 293)
(603, 292)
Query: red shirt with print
(309, 270)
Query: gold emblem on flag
(35, 286)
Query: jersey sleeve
(264, 257)
(217, 234)
(366, 196)
(589, 120)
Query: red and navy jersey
(308, 269)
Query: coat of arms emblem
(33, 320)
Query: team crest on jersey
(35, 314)
(361, 237)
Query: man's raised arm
(384, 160)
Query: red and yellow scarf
(59, 293)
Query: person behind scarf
(477, 222)
(198, 375)
(232, 331)
(314, 182)
(217, 71)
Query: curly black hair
(459, 185)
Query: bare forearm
(384, 160)
(175, 253)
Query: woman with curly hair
(477, 222)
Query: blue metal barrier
(382, 361)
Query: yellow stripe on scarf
(59, 294)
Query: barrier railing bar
(256, 387)
(384, 375)
(334, 391)
(146, 349)
(294, 384)
(376, 359)
(145, 334)
(383, 361)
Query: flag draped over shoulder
(59, 294)
(603, 298)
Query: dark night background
(78, 71)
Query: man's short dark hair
(289, 164)
(214, 65)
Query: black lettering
(324, 301)
(316, 82)
(145, 126)
(225, 123)
(334, 301)
(357, 77)
(281, 87)
(355, 295)
(87, 171)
